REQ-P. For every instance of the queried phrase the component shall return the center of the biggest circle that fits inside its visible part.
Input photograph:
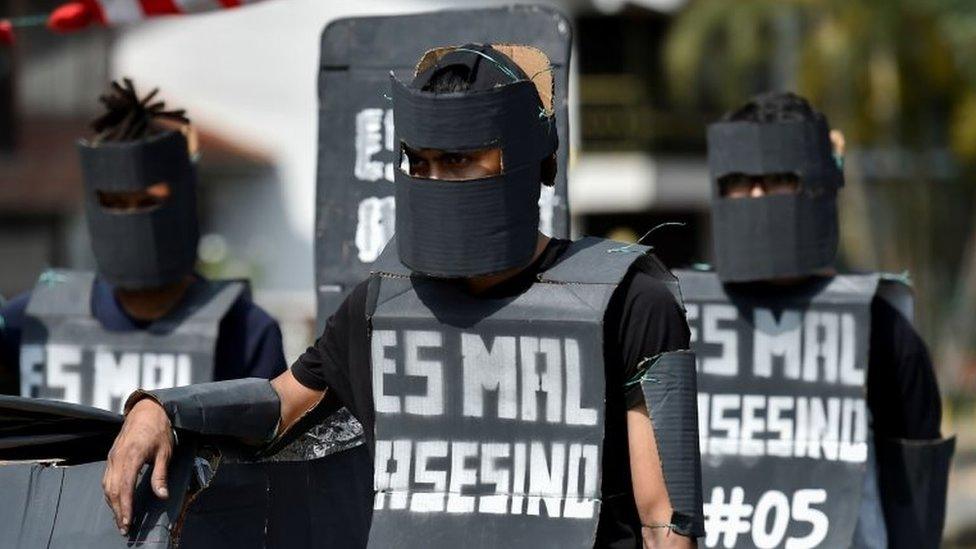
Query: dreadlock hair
(772, 107)
(128, 118)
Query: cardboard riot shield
(783, 418)
(66, 353)
(354, 194)
(51, 466)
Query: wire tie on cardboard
(50, 277)
(642, 367)
(629, 248)
(545, 70)
(508, 72)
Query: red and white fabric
(116, 12)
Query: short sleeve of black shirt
(643, 320)
(338, 360)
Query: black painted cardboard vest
(783, 419)
(490, 412)
(66, 354)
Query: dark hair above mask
(774, 133)
(473, 97)
(770, 107)
(469, 68)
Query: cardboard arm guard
(671, 395)
(913, 478)
(247, 409)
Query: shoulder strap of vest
(649, 264)
(846, 288)
(206, 303)
(372, 295)
(62, 292)
(245, 283)
(227, 292)
(592, 260)
(897, 291)
(703, 285)
(388, 263)
(851, 287)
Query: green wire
(642, 368)
(51, 277)
(501, 67)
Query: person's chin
(826, 272)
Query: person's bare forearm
(650, 493)
(146, 433)
(296, 400)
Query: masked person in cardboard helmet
(514, 390)
(144, 319)
(815, 343)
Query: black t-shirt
(643, 319)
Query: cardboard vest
(66, 354)
(783, 417)
(490, 412)
(355, 210)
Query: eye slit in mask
(744, 186)
(446, 165)
(128, 202)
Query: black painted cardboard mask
(141, 247)
(452, 229)
(776, 236)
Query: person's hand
(146, 435)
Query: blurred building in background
(47, 90)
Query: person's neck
(152, 303)
(479, 284)
(794, 280)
